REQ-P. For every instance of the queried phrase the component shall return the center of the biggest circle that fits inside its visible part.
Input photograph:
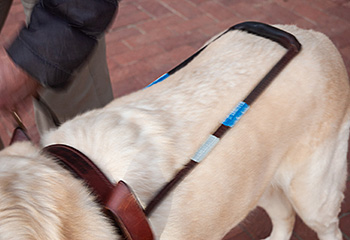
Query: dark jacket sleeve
(60, 36)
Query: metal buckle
(18, 120)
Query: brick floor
(150, 37)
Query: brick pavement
(149, 37)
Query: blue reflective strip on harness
(160, 79)
(236, 114)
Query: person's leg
(90, 88)
(4, 10)
(28, 7)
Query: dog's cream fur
(287, 154)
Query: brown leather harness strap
(126, 210)
(118, 200)
(82, 167)
(169, 186)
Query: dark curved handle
(284, 38)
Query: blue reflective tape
(236, 114)
(160, 79)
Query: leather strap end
(125, 208)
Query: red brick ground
(150, 37)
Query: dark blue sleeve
(60, 36)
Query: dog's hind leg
(319, 210)
(280, 211)
(316, 190)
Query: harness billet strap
(283, 38)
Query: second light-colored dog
(287, 154)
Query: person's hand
(15, 84)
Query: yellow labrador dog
(287, 154)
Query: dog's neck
(46, 197)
